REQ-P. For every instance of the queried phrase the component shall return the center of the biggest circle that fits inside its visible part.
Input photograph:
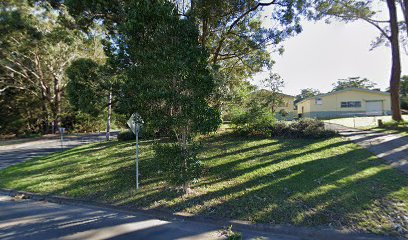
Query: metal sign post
(137, 155)
(61, 130)
(135, 122)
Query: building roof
(345, 90)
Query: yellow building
(284, 107)
(287, 105)
(345, 103)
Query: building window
(351, 104)
(318, 101)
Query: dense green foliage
(170, 82)
(84, 87)
(260, 122)
(353, 82)
(36, 48)
(306, 93)
(231, 31)
(146, 132)
(302, 128)
(308, 182)
(254, 119)
(127, 135)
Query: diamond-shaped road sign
(135, 121)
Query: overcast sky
(323, 53)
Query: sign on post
(135, 122)
(61, 130)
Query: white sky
(323, 53)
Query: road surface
(28, 219)
(15, 152)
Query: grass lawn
(393, 128)
(302, 182)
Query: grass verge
(393, 127)
(301, 182)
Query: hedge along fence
(302, 128)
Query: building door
(374, 108)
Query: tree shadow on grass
(264, 159)
(303, 182)
(301, 195)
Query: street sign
(135, 122)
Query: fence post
(354, 121)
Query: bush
(283, 113)
(126, 136)
(302, 128)
(280, 129)
(180, 166)
(145, 133)
(259, 120)
(256, 120)
(83, 122)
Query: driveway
(393, 148)
(16, 151)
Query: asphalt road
(28, 219)
(11, 154)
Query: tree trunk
(57, 103)
(108, 122)
(396, 62)
(46, 126)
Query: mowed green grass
(302, 182)
(394, 128)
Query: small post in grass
(354, 121)
(135, 122)
(380, 123)
(61, 130)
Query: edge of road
(237, 225)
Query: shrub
(145, 133)
(280, 129)
(283, 113)
(180, 166)
(83, 122)
(302, 128)
(254, 121)
(126, 136)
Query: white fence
(360, 122)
